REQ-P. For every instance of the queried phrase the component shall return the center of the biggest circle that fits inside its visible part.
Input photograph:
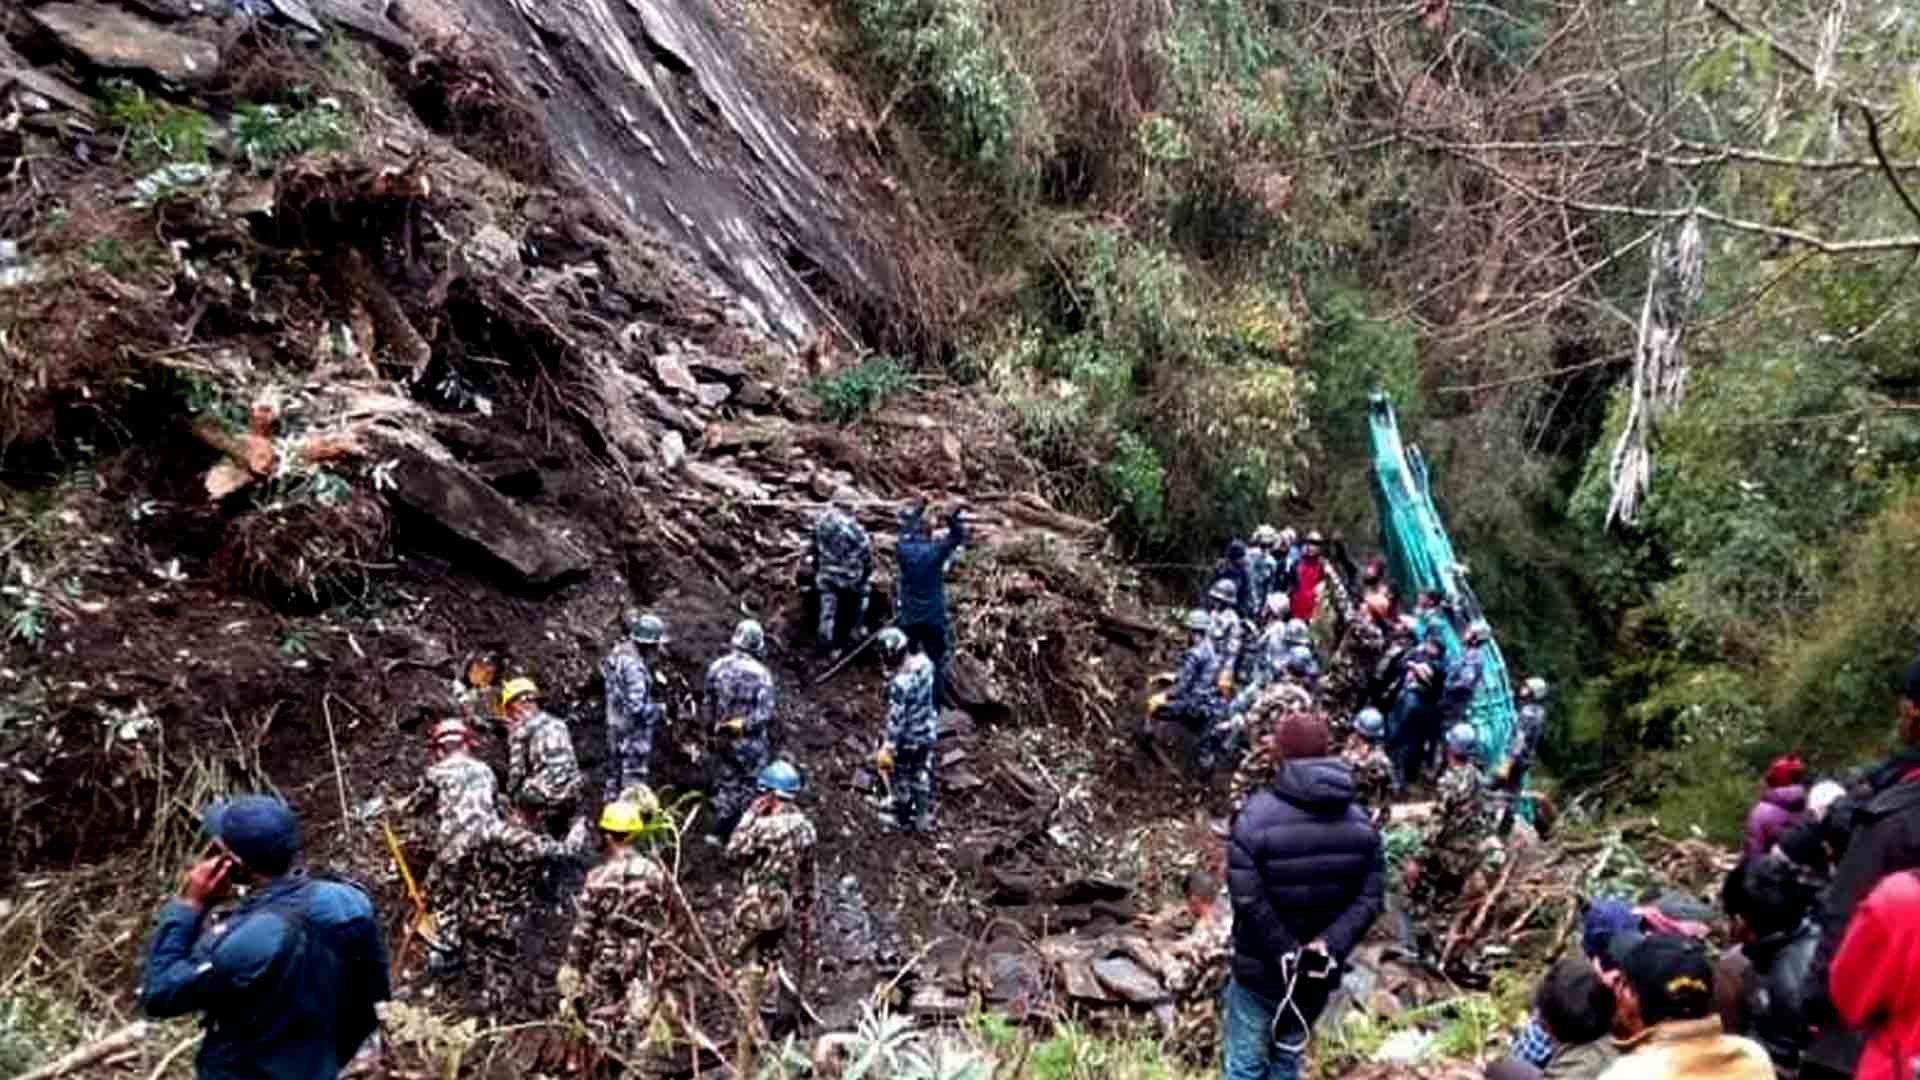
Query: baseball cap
(260, 830)
(1672, 977)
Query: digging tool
(841, 663)
(422, 921)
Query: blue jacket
(923, 573)
(288, 982)
(1302, 863)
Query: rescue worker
(1229, 633)
(739, 704)
(1350, 679)
(483, 865)
(912, 730)
(543, 775)
(775, 845)
(1263, 658)
(1263, 567)
(1530, 721)
(1416, 711)
(1193, 705)
(616, 957)
(1279, 705)
(476, 693)
(632, 714)
(1452, 841)
(1233, 567)
(1372, 771)
(842, 570)
(1463, 677)
(922, 604)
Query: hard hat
(622, 817)
(1300, 660)
(749, 638)
(1266, 536)
(1370, 724)
(1536, 688)
(644, 629)
(1478, 630)
(1462, 739)
(452, 729)
(1288, 536)
(780, 778)
(1314, 537)
(1224, 590)
(1199, 620)
(1296, 633)
(641, 796)
(516, 688)
(892, 639)
(1277, 603)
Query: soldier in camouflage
(1264, 657)
(1372, 770)
(476, 693)
(1263, 569)
(1453, 841)
(543, 775)
(1271, 712)
(1228, 630)
(738, 705)
(775, 845)
(484, 864)
(617, 960)
(842, 569)
(1530, 722)
(632, 714)
(912, 730)
(1189, 710)
(1350, 680)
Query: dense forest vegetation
(1637, 276)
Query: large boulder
(119, 40)
(467, 507)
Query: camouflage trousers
(480, 901)
(629, 751)
(913, 788)
(735, 782)
(621, 1017)
(832, 599)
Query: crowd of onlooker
(1823, 910)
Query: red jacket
(1871, 981)
(1306, 587)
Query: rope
(1290, 971)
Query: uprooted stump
(302, 556)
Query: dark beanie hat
(1672, 977)
(260, 830)
(1302, 734)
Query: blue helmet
(1300, 661)
(1462, 739)
(1370, 724)
(780, 778)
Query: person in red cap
(1782, 805)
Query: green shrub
(156, 132)
(265, 134)
(845, 395)
(977, 101)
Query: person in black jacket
(1883, 827)
(922, 586)
(1307, 876)
(1772, 905)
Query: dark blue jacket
(1303, 863)
(923, 574)
(288, 982)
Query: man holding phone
(289, 978)
(1307, 876)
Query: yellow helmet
(516, 688)
(622, 817)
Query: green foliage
(156, 132)
(976, 99)
(265, 134)
(856, 391)
(1352, 354)
(119, 257)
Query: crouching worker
(1188, 710)
(289, 978)
(1307, 877)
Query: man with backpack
(289, 978)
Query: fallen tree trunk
(124, 1039)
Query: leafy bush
(854, 392)
(264, 134)
(977, 100)
(156, 132)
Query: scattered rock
(721, 438)
(672, 373)
(673, 451)
(122, 41)
(493, 248)
(712, 395)
(754, 395)
(718, 367)
(25, 84)
(725, 480)
(465, 506)
(1129, 981)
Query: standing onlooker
(1782, 805)
(289, 979)
(1667, 1008)
(1873, 974)
(1771, 903)
(1884, 839)
(1307, 574)
(1307, 877)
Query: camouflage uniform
(542, 773)
(738, 686)
(912, 728)
(776, 842)
(1264, 660)
(1350, 679)
(479, 706)
(1372, 779)
(632, 715)
(1530, 721)
(1194, 707)
(1262, 570)
(1196, 965)
(1228, 634)
(480, 879)
(1450, 845)
(1275, 704)
(618, 948)
(842, 566)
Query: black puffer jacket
(1774, 994)
(1303, 863)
